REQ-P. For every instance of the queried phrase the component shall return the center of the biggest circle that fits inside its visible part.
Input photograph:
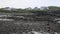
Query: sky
(28, 3)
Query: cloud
(28, 3)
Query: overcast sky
(28, 3)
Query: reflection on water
(35, 32)
(6, 20)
